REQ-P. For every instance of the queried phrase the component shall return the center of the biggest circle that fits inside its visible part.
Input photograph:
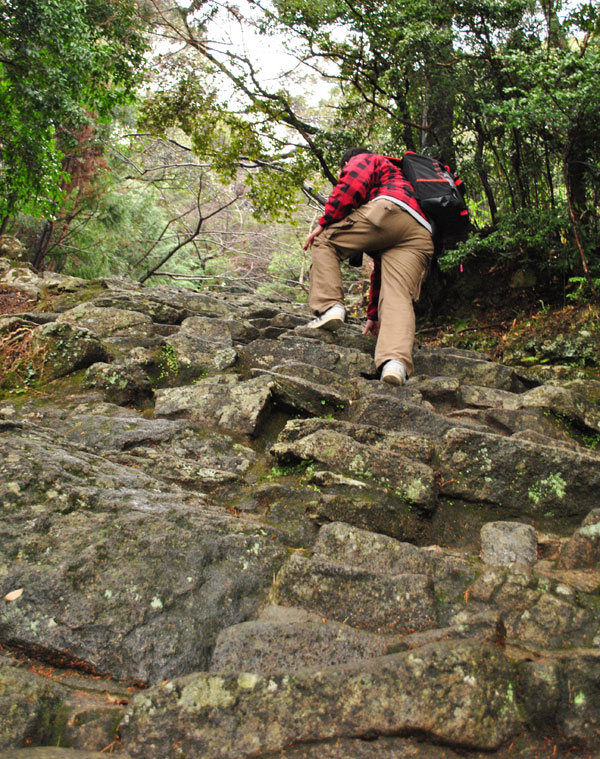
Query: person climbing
(372, 209)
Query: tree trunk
(517, 163)
(42, 245)
(575, 216)
(438, 112)
(483, 177)
(575, 173)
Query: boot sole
(332, 325)
(393, 379)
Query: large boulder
(144, 302)
(120, 382)
(167, 449)
(108, 322)
(120, 574)
(188, 356)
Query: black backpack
(440, 193)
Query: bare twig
(495, 325)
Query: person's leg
(326, 288)
(403, 268)
(375, 226)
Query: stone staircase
(233, 541)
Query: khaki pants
(406, 248)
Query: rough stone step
(220, 331)
(485, 626)
(305, 395)
(364, 505)
(378, 603)
(540, 611)
(535, 422)
(189, 356)
(416, 447)
(378, 461)
(467, 367)
(345, 362)
(222, 401)
(341, 543)
(351, 546)
(349, 336)
(287, 640)
(522, 477)
(394, 412)
(236, 717)
(439, 391)
(486, 397)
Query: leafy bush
(538, 237)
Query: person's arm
(351, 191)
(310, 239)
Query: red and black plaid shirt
(365, 177)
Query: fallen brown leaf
(13, 595)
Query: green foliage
(168, 365)
(505, 91)
(224, 136)
(527, 235)
(582, 291)
(60, 61)
(121, 226)
(508, 87)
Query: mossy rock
(569, 337)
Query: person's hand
(371, 328)
(309, 240)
